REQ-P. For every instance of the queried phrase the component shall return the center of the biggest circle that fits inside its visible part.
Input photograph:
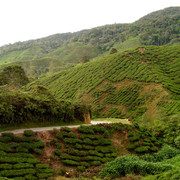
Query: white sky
(22, 20)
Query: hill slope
(158, 28)
(141, 81)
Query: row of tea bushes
(142, 141)
(85, 149)
(16, 160)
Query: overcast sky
(22, 20)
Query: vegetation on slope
(17, 161)
(19, 107)
(145, 64)
(157, 28)
(13, 76)
(142, 84)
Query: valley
(102, 103)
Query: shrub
(83, 153)
(22, 166)
(96, 163)
(70, 162)
(5, 166)
(58, 152)
(73, 152)
(66, 129)
(142, 149)
(11, 135)
(87, 141)
(30, 177)
(88, 147)
(86, 129)
(78, 146)
(58, 145)
(166, 152)
(132, 164)
(21, 149)
(59, 136)
(65, 156)
(81, 168)
(37, 151)
(42, 166)
(44, 175)
(177, 142)
(28, 133)
(135, 137)
(85, 164)
(5, 139)
(17, 172)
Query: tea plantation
(132, 82)
(17, 160)
(91, 146)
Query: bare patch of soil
(142, 50)
(120, 141)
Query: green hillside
(141, 81)
(158, 28)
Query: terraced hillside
(158, 28)
(142, 80)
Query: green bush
(58, 145)
(135, 137)
(87, 141)
(142, 149)
(30, 177)
(96, 163)
(86, 129)
(85, 164)
(42, 166)
(78, 146)
(66, 129)
(11, 135)
(44, 175)
(22, 166)
(28, 133)
(5, 139)
(81, 168)
(132, 164)
(37, 151)
(71, 162)
(58, 152)
(17, 172)
(177, 142)
(59, 136)
(5, 166)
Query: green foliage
(177, 142)
(28, 133)
(20, 108)
(13, 75)
(143, 65)
(15, 160)
(132, 164)
(113, 50)
(61, 51)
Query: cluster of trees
(158, 28)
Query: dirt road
(39, 129)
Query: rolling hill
(66, 50)
(142, 82)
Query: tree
(113, 50)
(85, 59)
